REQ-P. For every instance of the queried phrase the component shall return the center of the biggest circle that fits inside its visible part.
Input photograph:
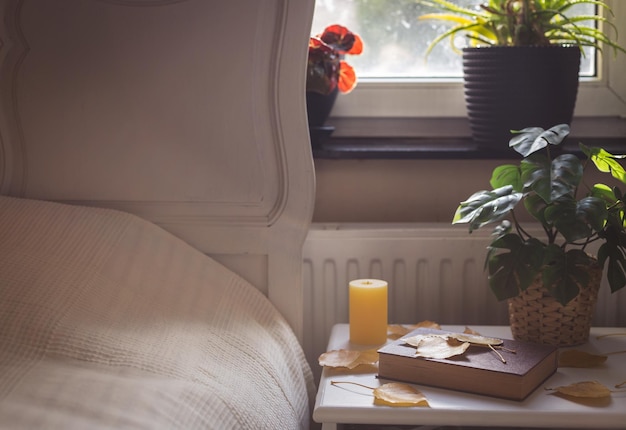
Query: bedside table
(350, 404)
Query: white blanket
(108, 321)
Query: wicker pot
(538, 317)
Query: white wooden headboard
(189, 113)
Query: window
(396, 79)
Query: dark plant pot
(318, 106)
(511, 88)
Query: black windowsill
(406, 138)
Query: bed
(156, 187)
(108, 320)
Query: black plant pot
(511, 88)
(318, 107)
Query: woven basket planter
(538, 317)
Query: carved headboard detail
(188, 113)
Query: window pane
(396, 42)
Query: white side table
(337, 404)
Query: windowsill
(445, 138)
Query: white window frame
(604, 96)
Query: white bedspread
(107, 321)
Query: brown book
(479, 370)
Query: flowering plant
(326, 69)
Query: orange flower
(326, 69)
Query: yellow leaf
(417, 339)
(392, 394)
(436, 346)
(576, 358)
(369, 357)
(586, 389)
(398, 394)
(347, 358)
(396, 331)
(470, 331)
(476, 339)
(610, 334)
(338, 358)
(426, 324)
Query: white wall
(398, 190)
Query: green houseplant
(523, 23)
(522, 59)
(573, 214)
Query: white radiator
(435, 272)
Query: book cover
(479, 370)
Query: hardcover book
(514, 372)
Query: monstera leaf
(532, 139)
(606, 162)
(507, 174)
(566, 173)
(552, 180)
(536, 206)
(616, 271)
(485, 207)
(536, 175)
(564, 273)
(577, 220)
(515, 270)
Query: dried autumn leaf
(418, 338)
(586, 389)
(396, 331)
(426, 324)
(367, 357)
(398, 394)
(338, 358)
(392, 394)
(476, 339)
(436, 346)
(576, 358)
(470, 331)
(610, 334)
(347, 358)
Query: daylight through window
(396, 41)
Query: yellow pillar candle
(368, 311)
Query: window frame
(602, 96)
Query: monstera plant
(550, 185)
